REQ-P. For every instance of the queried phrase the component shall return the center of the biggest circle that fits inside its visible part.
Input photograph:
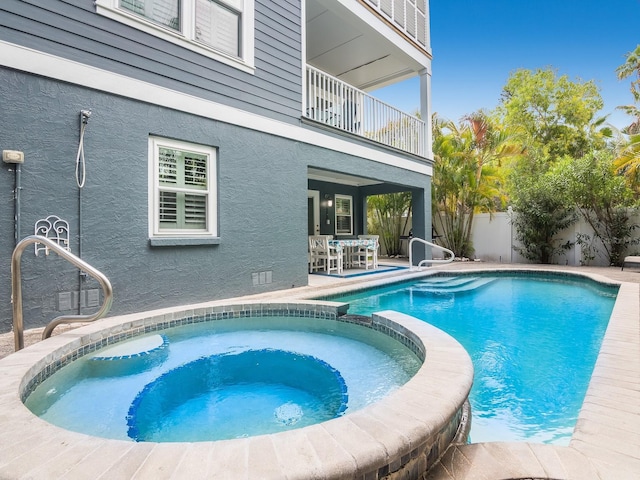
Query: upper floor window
(183, 189)
(222, 29)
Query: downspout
(17, 158)
(17, 204)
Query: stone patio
(606, 441)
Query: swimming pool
(533, 339)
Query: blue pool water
(533, 342)
(225, 379)
(224, 393)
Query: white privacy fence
(494, 237)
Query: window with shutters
(222, 29)
(344, 215)
(183, 190)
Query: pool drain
(288, 413)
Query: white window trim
(246, 62)
(344, 197)
(154, 191)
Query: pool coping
(410, 428)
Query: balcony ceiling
(344, 45)
(341, 178)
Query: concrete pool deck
(606, 441)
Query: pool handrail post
(16, 289)
(432, 261)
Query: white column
(425, 107)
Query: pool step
(442, 285)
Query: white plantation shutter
(168, 209)
(167, 166)
(195, 211)
(183, 187)
(220, 29)
(195, 170)
(344, 215)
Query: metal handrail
(433, 245)
(16, 289)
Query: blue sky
(476, 45)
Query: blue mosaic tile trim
(606, 287)
(227, 312)
(416, 347)
(165, 344)
(334, 392)
(431, 450)
(218, 313)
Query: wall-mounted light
(329, 203)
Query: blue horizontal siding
(73, 30)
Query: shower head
(84, 115)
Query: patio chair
(322, 256)
(366, 255)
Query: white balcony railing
(409, 16)
(337, 104)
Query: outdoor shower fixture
(81, 175)
(80, 165)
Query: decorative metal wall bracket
(55, 229)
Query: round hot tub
(335, 412)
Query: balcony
(410, 17)
(336, 104)
(353, 48)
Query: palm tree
(629, 68)
(627, 162)
(388, 216)
(466, 175)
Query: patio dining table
(347, 245)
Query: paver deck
(606, 440)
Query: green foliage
(631, 68)
(388, 216)
(545, 149)
(466, 176)
(588, 249)
(602, 198)
(542, 213)
(557, 118)
(555, 112)
(627, 162)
